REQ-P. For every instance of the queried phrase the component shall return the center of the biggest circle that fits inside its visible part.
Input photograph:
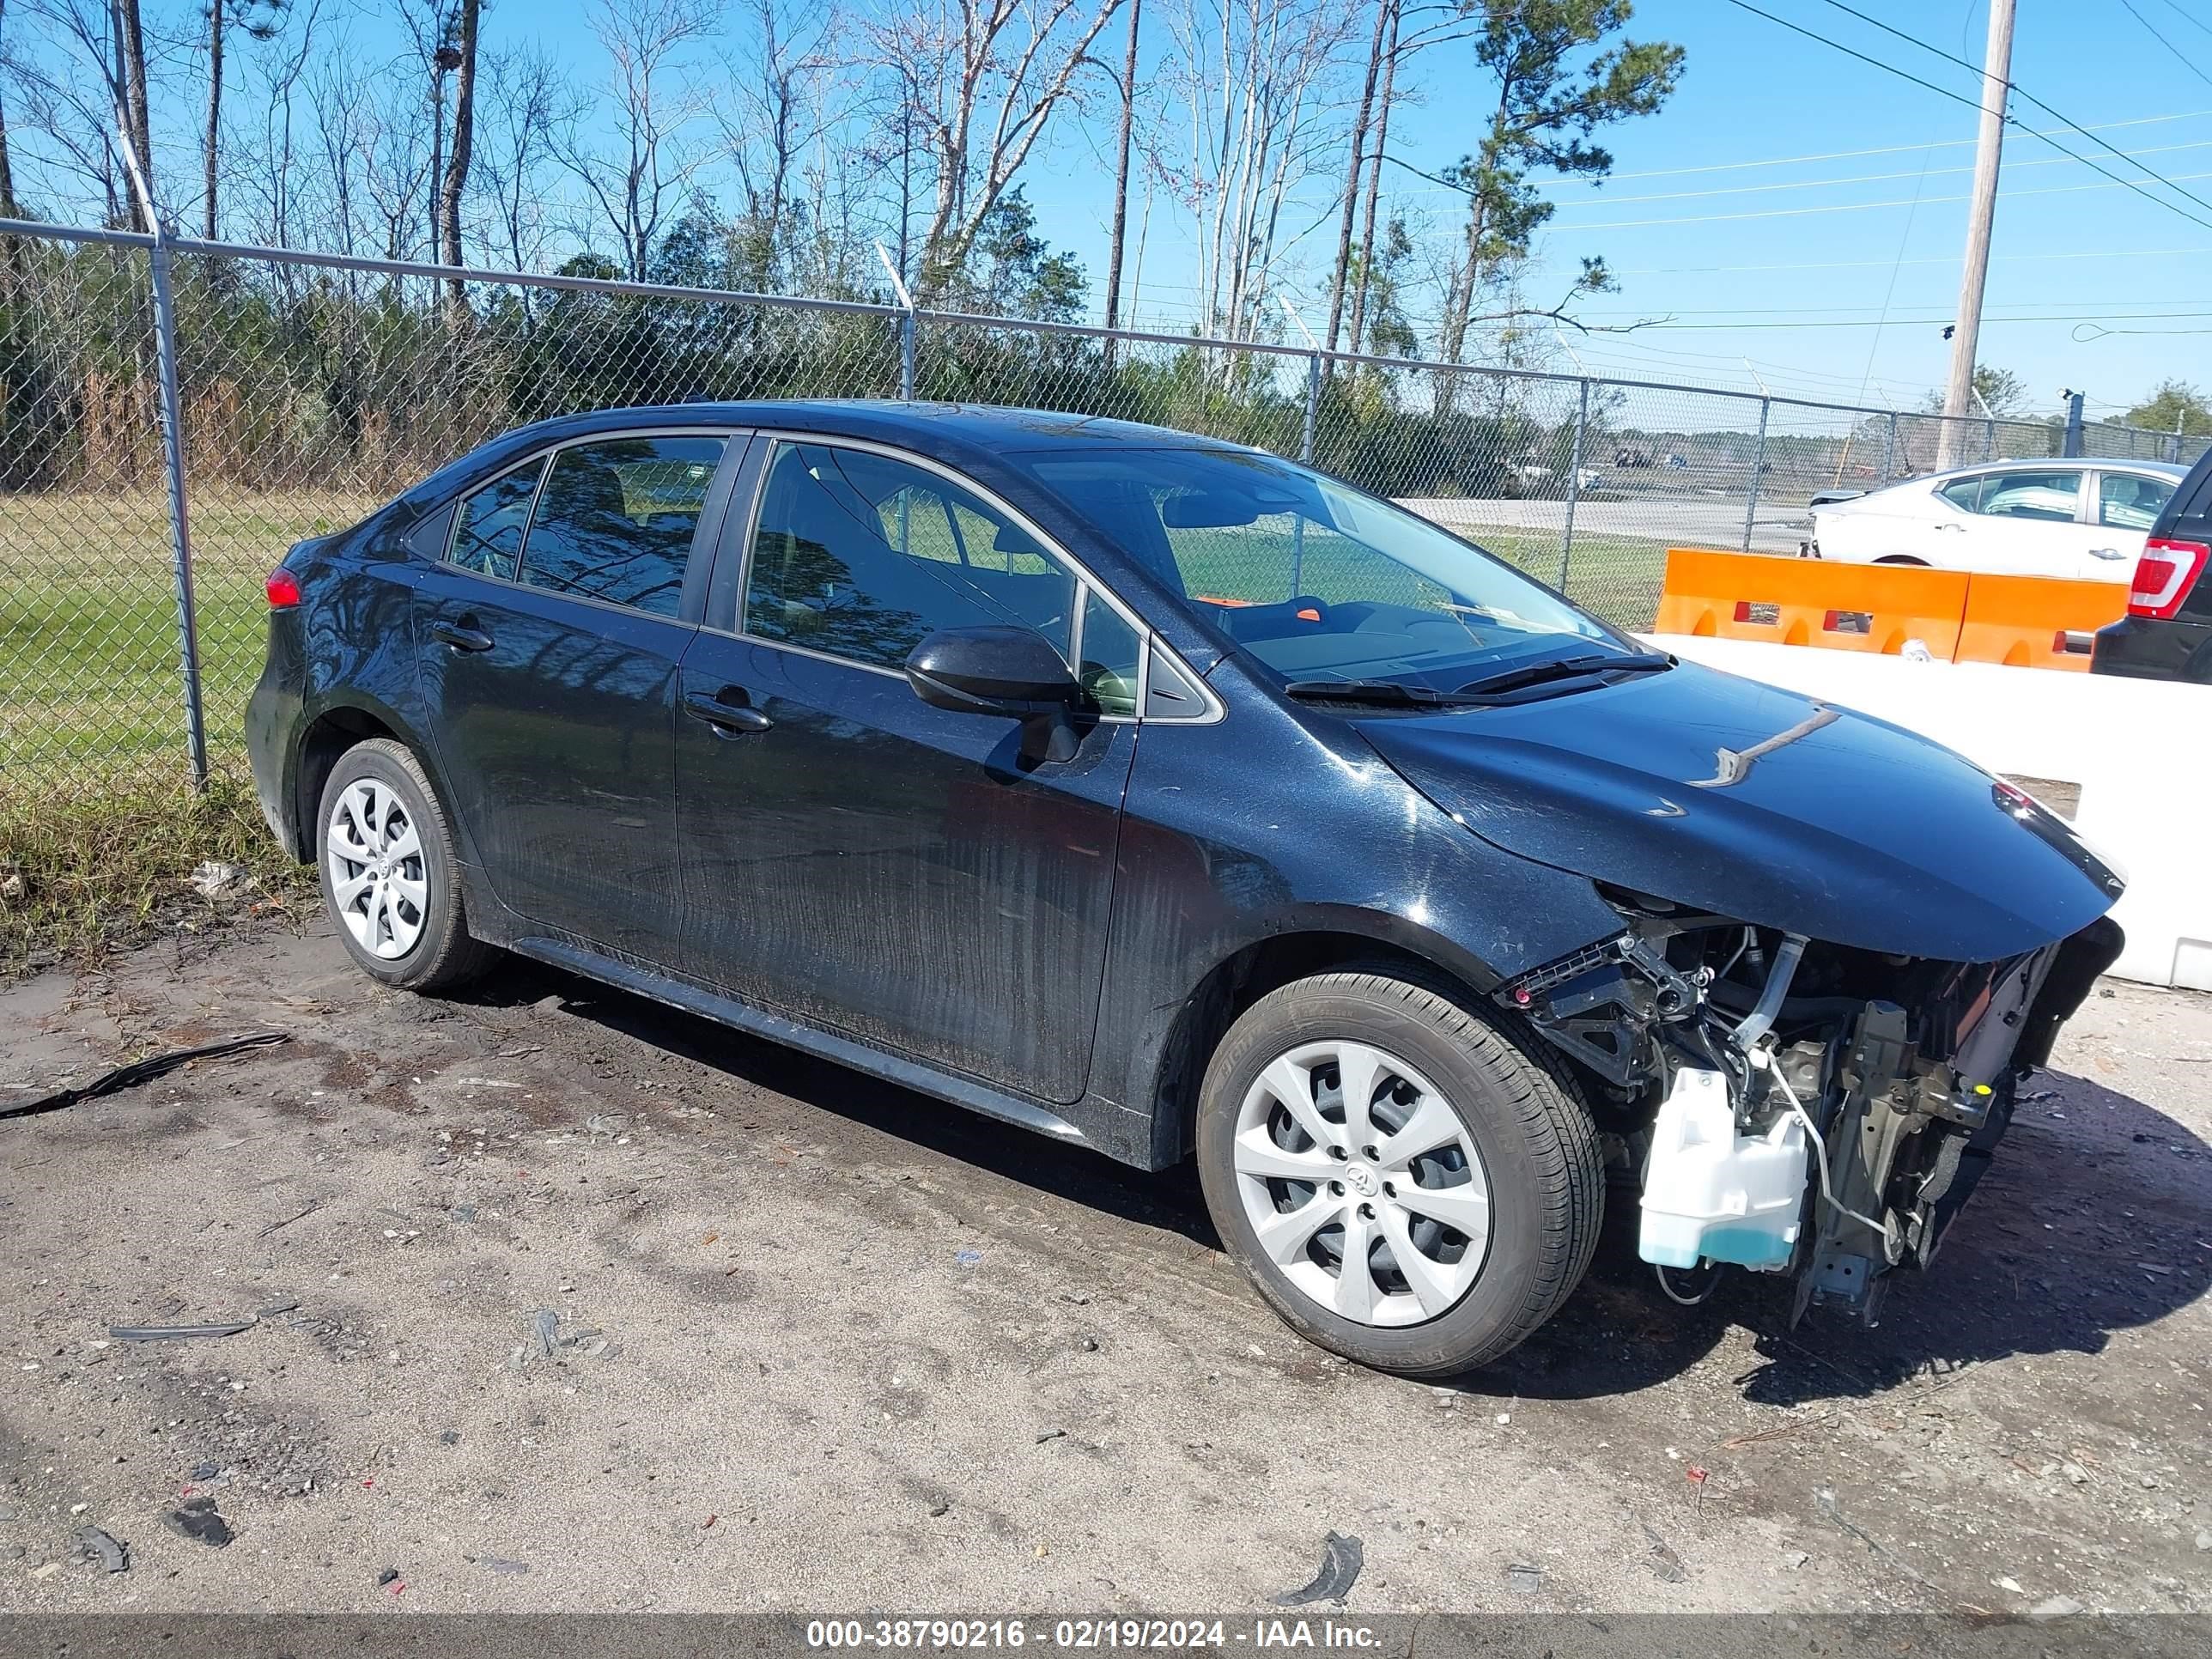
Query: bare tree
(456, 177)
(278, 67)
(1376, 51)
(1385, 101)
(1121, 169)
(130, 42)
(258, 20)
(656, 107)
(1261, 78)
(10, 207)
(525, 100)
(371, 153)
(430, 27)
(987, 76)
(782, 97)
(72, 96)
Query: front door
(551, 638)
(861, 862)
(2027, 523)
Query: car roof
(2161, 469)
(972, 437)
(1002, 429)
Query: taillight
(282, 588)
(2164, 575)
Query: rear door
(2123, 505)
(551, 636)
(861, 862)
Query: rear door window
(2130, 501)
(617, 518)
(488, 530)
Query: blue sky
(1790, 245)
(1794, 218)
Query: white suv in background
(2085, 520)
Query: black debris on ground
(1342, 1557)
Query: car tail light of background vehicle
(2164, 575)
(282, 588)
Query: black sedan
(1158, 795)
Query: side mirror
(1011, 672)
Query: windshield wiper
(1561, 668)
(1386, 692)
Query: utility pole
(1966, 330)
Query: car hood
(1763, 805)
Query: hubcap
(374, 856)
(1362, 1184)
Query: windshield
(1312, 578)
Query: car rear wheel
(389, 871)
(1406, 1186)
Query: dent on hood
(1765, 806)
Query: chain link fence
(310, 388)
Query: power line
(1895, 202)
(1932, 321)
(2169, 45)
(2014, 86)
(1854, 154)
(1883, 264)
(1855, 179)
(2193, 22)
(1976, 103)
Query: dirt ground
(824, 1345)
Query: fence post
(173, 446)
(1889, 450)
(1313, 408)
(1758, 466)
(1989, 441)
(1574, 478)
(906, 323)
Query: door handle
(728, 720)
(461, 637)
(1956, 529)
(2106, 553)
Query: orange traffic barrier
(1786, 601)
(2036, 622)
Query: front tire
(1405, 1185)
(389, 875)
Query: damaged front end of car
(1794, 1106)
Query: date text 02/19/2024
(939, 1634)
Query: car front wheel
(389, 871)
(1406, 1186)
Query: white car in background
(2085, 520)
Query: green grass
(91, 693)
(80, 877)
(100, 831)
